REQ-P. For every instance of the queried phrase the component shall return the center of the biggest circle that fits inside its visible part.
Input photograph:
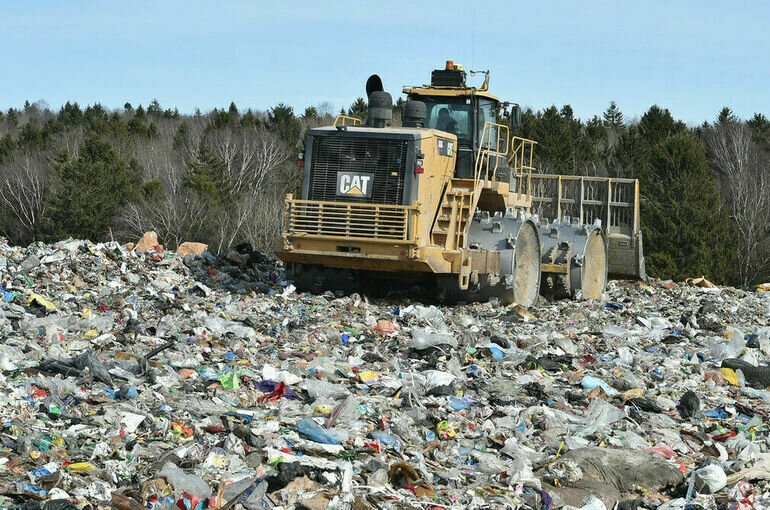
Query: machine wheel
(594, 271)
(517, 241)
(526, 267)
(581, 250)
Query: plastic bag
(625, 356)
(313, 431)
(601, 414)
(423, 339)
(710, 479)
(182, 482)
(590, 382)
(322, 389)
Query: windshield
(452, 116)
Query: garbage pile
(134, 377)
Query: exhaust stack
(380, 103)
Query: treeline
(220, 177)
(93, 173)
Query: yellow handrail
(345, 118)
(522, 156)
(500, 133)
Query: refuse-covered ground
(148, 380)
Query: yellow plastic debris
(730, 375)
(634, 393)
(81, 466)
(37, 298)
(368, 377)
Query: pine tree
(726, 117)
(88, 191)
(281, 121)
(31, 137)
(70, 115)
(207, 178)
(181, 136)
(154, 108)
(613, 117)
(359, 109)
(12, 118)
(249, 119)
(311, 113)
(7, 148)
(398, 107)
(686, 231)
(760, 130)
(658, 124)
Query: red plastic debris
(38, 393)
(274, 395)
(726, 435)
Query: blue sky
(692, 57)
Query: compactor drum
(580, 254)
(451, 196)
(516, 240)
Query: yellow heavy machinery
(453, 196)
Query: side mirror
(515, 116)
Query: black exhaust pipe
(380, 103)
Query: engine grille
(383, 157)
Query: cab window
(487, 113)
(454, 117)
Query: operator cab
(453, 107)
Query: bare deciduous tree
(746, 179)
(70, 141)
(251, 158)
(252, 162)
(23, 185)
(249, 155)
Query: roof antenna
(473, 37)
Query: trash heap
(135, 377)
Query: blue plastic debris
(313, 431)
(384, 438)
(460, 404)
(719, 413)
(590, 382)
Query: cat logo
(354, 184)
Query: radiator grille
(349, 221)
(385, 158)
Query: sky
(692, 57)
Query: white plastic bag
(710, 479)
